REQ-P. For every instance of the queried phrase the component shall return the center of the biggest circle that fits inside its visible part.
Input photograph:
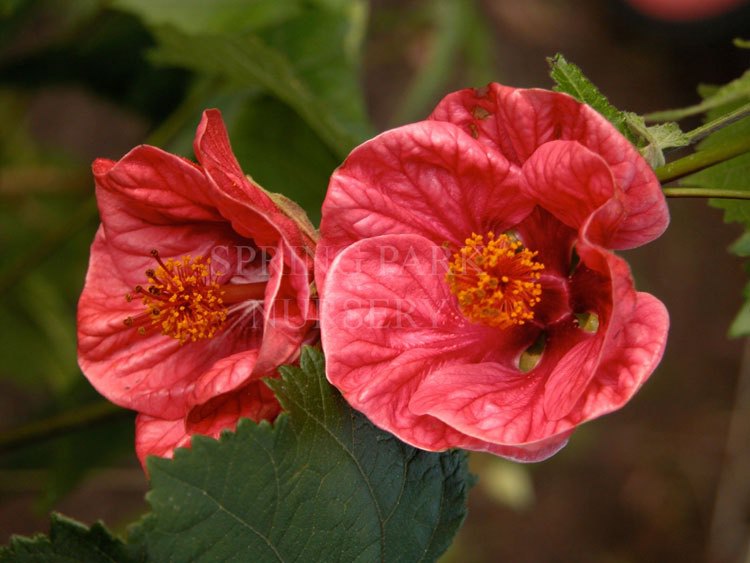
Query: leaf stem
(62, 423)
(701, 159)
(712, 126)
(694, 191)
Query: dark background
(665, 479)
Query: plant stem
(727, 119)
(701, 159)
(694, 191)
(63, 423)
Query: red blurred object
(684, 10)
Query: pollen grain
(496, 280)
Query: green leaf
(322, 484)
(69, 542)
(732, 174)
(570, 79)
(735, 92)
(656, 139)
(741, 324)
(735, 132)
(301, 170)
(309, 61)
(741, 247)
(216, 16)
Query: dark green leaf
(741, 247)
(570, 79)
(216, 16)
(733, 174)
(309, 61)
(70, 542)
(322, 484)
(741, 324)
(301, 170)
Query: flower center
(185, 301)
(496, 280)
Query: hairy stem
(694, 191)
(712, 126)
(701, 159)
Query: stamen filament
(495, 280)
(184, 299)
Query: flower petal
(386, 324)
(429, 179)
(572, 183)
(156, 186)
(492, 403)
(255, 401)
(159, 437)
(536, 232)
(516, 122)
(150, 373)
(252, 211)
(630, 358)
(606, 289)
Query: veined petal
(159, 437)
(387, 324)
(572, 183)
(255, 401)
(427, 178)
(492, 403)
(516, 122)
(158, 206)
(252, 211)
(155, 186)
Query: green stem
(694, 191)
(39, 430)
(712, 126)
(701, 159)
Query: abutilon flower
(198, 286)
(469, 295)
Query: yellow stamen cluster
(496, 280)
(184, 300)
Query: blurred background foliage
(300, 83)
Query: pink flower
(468, 296)
(198, 286)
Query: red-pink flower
(469, 297)
(198, 287)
